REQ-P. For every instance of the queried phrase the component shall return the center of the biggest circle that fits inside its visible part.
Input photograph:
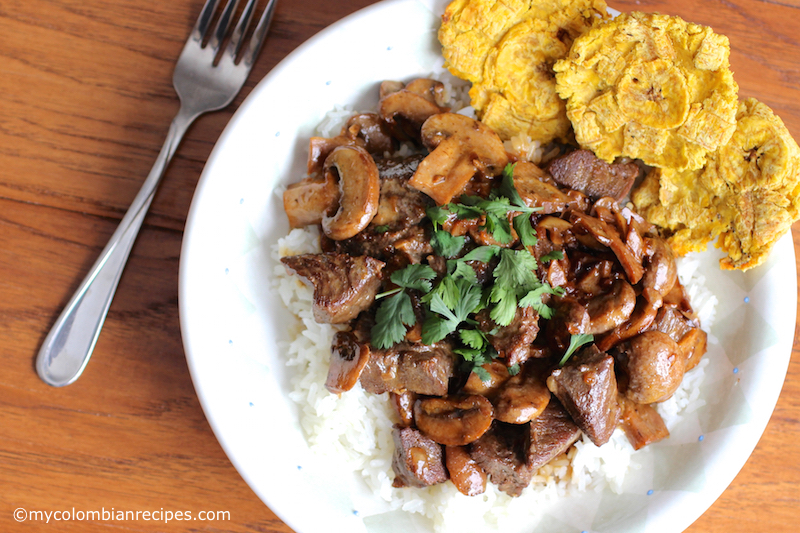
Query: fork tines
(236, 38)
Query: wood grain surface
(85, 103)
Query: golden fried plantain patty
(747, 195)
(651, 87)
(507, 50)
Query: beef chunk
(513, 342)
(400, 246)
(552, 433)
(343, 285)
(502, 453)
(583, 171)
(417, 461)
(642, 423)
(587, 388)
(410, 367)
(400, 204)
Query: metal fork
(206, 78)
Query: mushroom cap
(359, 186)
(460, 148)
(453, 421)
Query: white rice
(355, 429)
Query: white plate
(231, 321)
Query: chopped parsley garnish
(396, 311)
(575, 342)
(449, 306)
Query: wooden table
(86, 101)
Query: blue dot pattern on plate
(701, 438)
(747, 299)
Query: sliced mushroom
(496, 371)
(607, 311)
(359, 188)
(307, 201)
(607, 235)
(521, 399)
(653, 365)
(661, 271)
(460, 148)
(348, 359)
(403, 403)
(529, 180)
(405, 108)
(466, 475)
(643, 316)
(453, 421)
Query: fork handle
(69, 345)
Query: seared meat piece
(417, 460)
(552, 433)
(587, 388)
(410, 367)
(413, 243)
(642, 423)
(512, 342)
(583, 171)
(502, 453)
(400, 204)
(343, 285)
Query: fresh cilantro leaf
(514, 369)
(482, 373)
(555, 254)
(524, 229)
(461, 269)
(414, 277)
(438, 214)
(575, 342)
(534, 299)
(446, 289)
(473, 338)
(469, 355)
(445, 244)
(499, 228)
(391, 319)
(505, 308)
(445, 319)
(516, 269)
(381, 229)
(483, 254)
(507, 188)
